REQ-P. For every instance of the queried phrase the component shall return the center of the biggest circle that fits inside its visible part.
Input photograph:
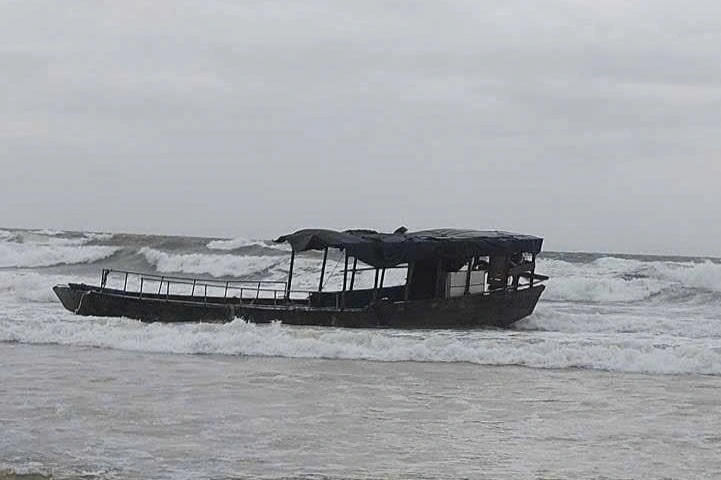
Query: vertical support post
(225, 294)
(345, 282)
(467, 290)
(167, 290)
(290, 274)
(125, 284)
(322, 269)
(104, 278)
(440, 282)
(409, 277)
(192, 292)
(383, 277)
(533, 270)
(345, 273)
(160, 287)
(375, 284)
(352, 277)
(142, 280)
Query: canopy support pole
(439, 281)
(409, 277)
(290, 274)
(322, 269)
(533, 270)
(345, 282)
(375, 284)
(467, 289)
(352, 277)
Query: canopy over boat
(382, 250)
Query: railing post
(167, 290)
(142, 281)
(225, 295)
(160, 287)
(192, 292)
(125, 285)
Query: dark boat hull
(498, 309)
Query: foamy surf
(653, 354)
(45, 255)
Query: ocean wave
(704, 276)
(28, 255)
(601, 289)
(611, 279)
(683, 320)
(660, 355)
(32, 287)
(214, 265)
(235, 244)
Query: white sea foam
(705, 276)
(98, 236)
(38, 255)
(654, 354)
(29, 286)
(603, 289)
(214, 265)
(625, 280)
(235, 243)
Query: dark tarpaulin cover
(389, 249)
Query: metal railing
(171, 287)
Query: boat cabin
(438, 264)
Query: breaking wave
(44, 255)
(214, 265)
(612, 279)
(665, 355)
(240, 243)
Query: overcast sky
(593, 123)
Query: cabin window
(470, 279)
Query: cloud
(577, 120)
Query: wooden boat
(453, 279)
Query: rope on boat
(327, 277)
(80, 303)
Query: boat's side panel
(85, 300)
(499, 310)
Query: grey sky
(596, 124)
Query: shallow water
(117, 414)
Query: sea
(617, 375)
